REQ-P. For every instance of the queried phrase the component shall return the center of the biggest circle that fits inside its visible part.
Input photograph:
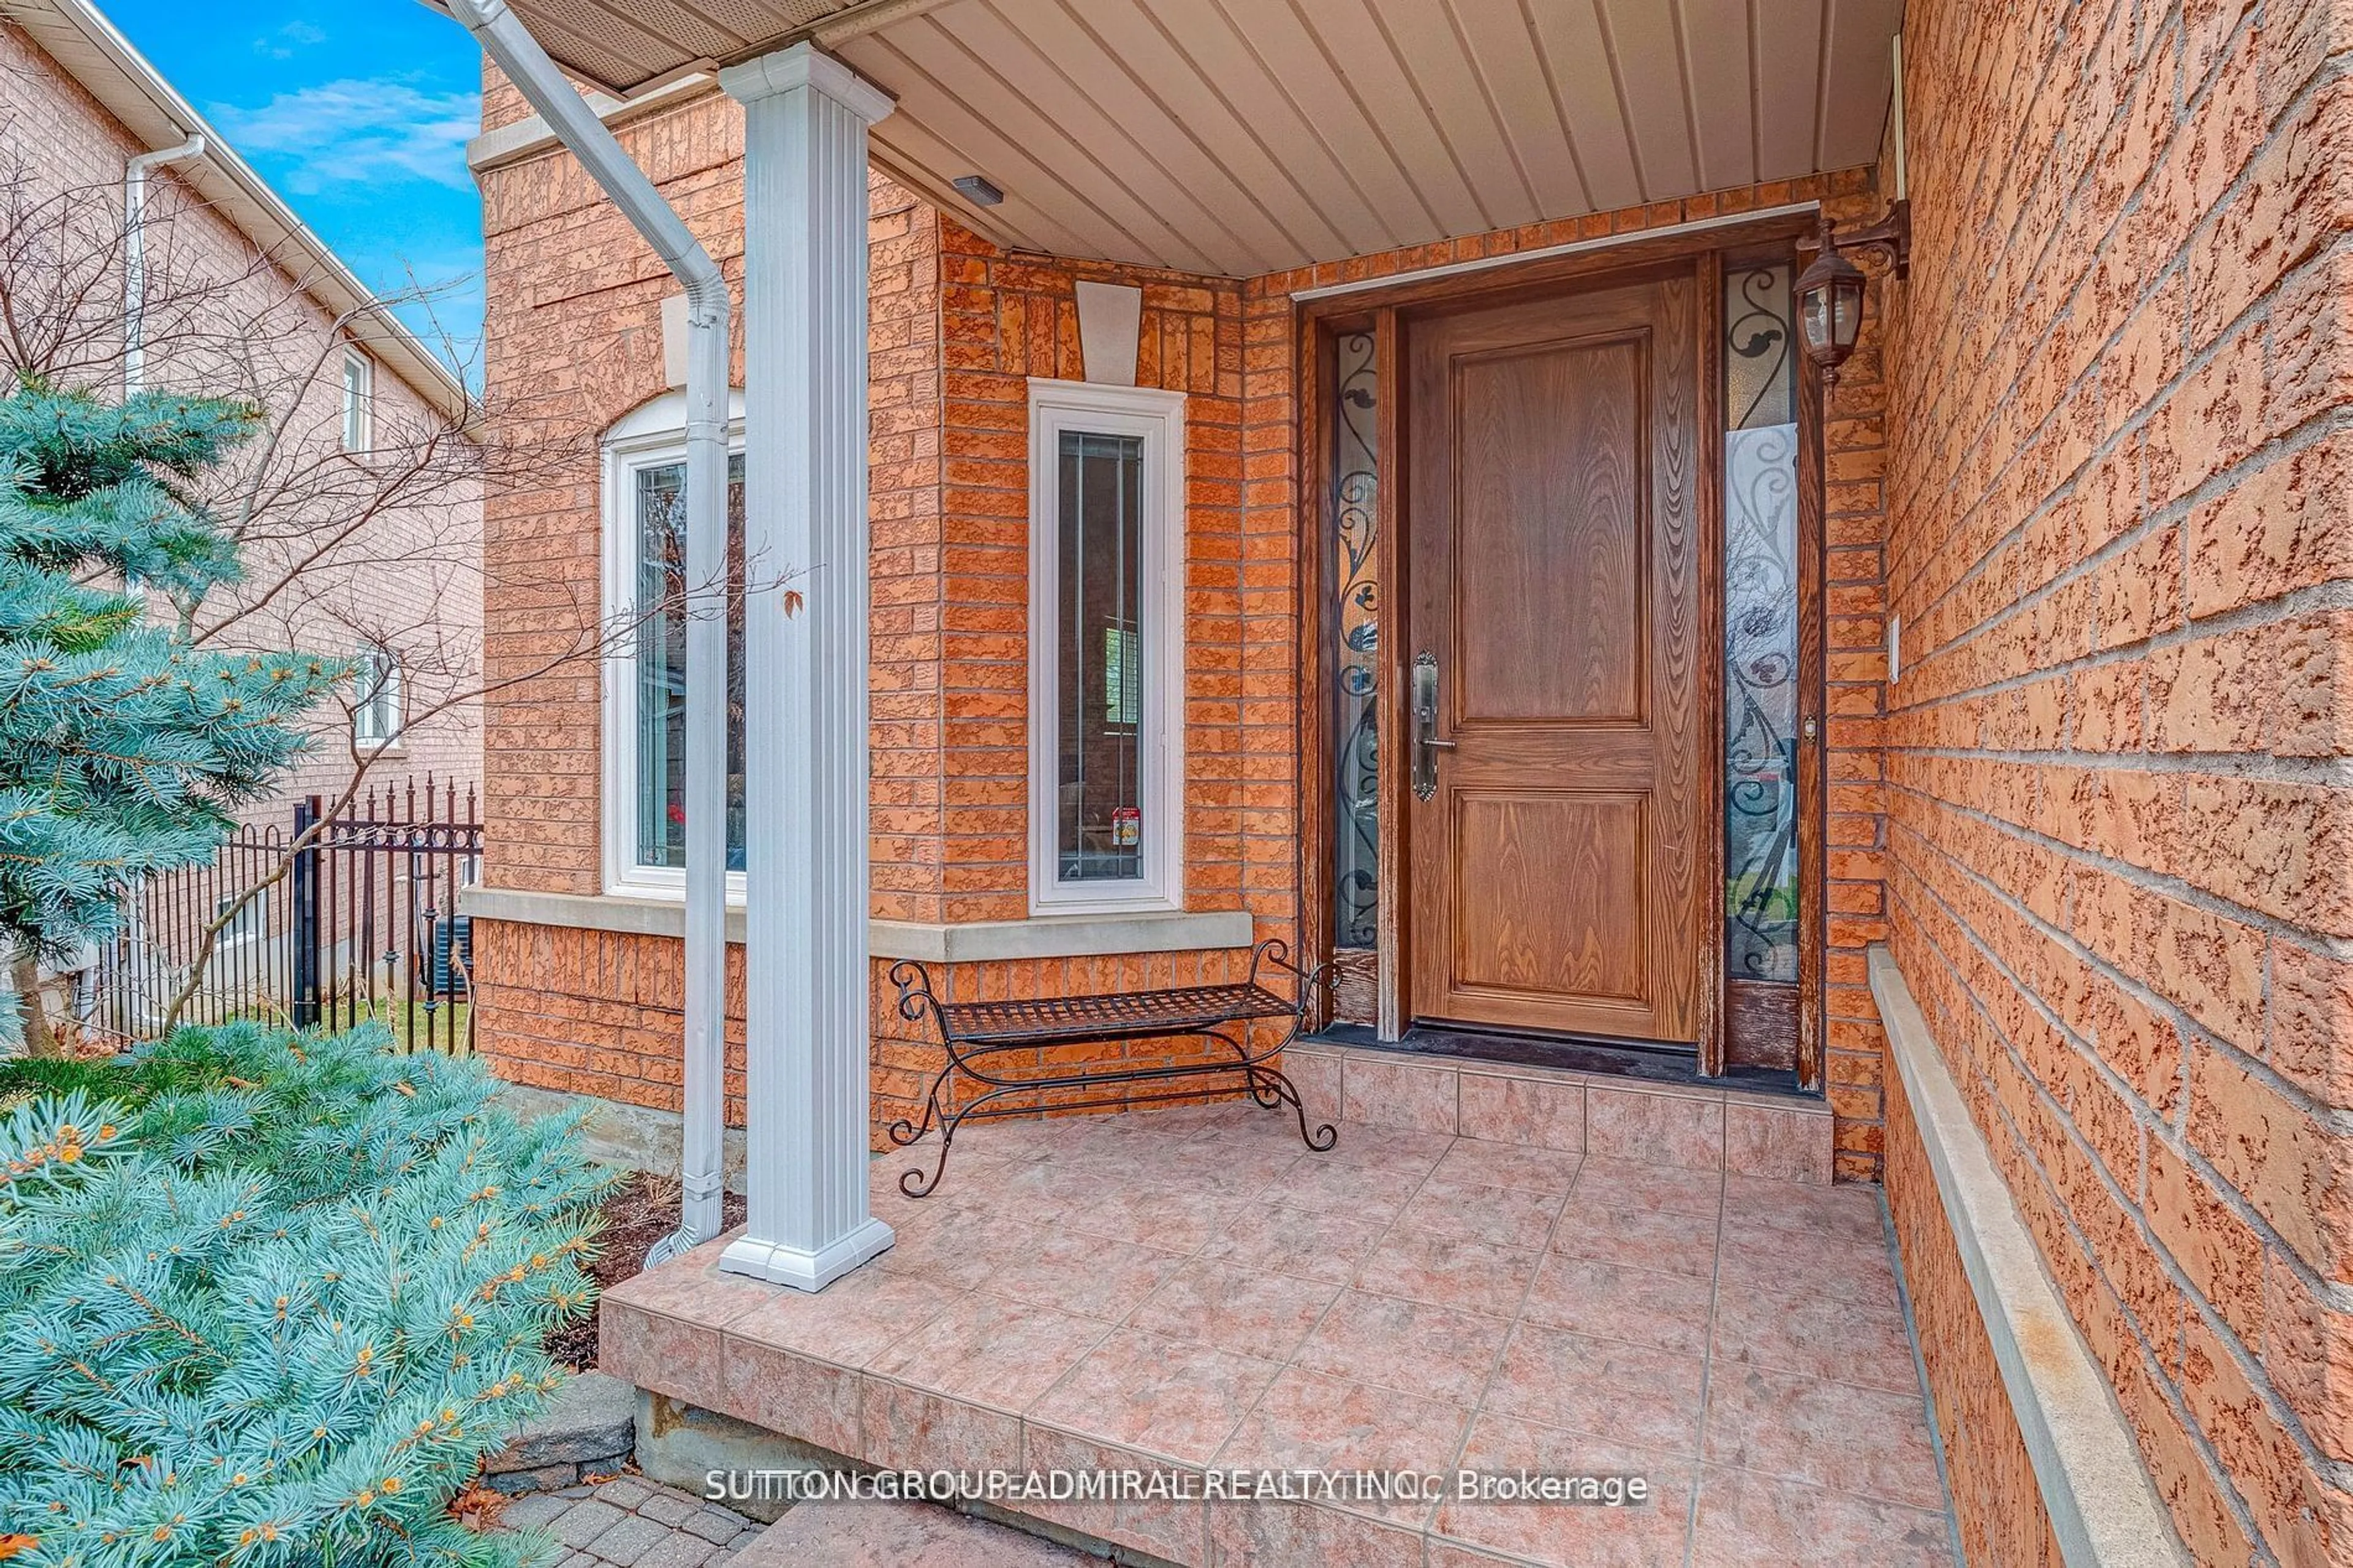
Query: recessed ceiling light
(978, 191)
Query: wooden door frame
(1319, 324)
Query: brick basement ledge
(2103, 1509)
(980, 942)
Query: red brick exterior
(951, 677)
(2093, 454)
(963, 328)
(957, 329)
(1996, 1498)
(571, 339)
(1854, 673)
(591, 1011)
(2120, 848)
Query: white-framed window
(646, 602)
(249, 923)
(375, 697)
(1106, 648)
(359, 401)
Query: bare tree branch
(341, 550)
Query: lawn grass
(446, 1028)
(24, 1075)
(412, 1028)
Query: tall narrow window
(359, 401)
(1100, 779)
(1760, 625)
(375, 697)
(648, 604)
(665, 602)
(1105, 654)
(1354, 421)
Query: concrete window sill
(1047, 936)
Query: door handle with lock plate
(1426, 744)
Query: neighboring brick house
(2079, 607)
(380, 550)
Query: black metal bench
(973, 1031)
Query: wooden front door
(1555, 745)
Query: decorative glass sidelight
(1760, 624)
(1356, 493)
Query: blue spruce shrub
(277, 1313)
(126, 747)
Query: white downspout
(507, 41)
(135, 256)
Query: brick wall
(951, 591)
(1854, 673)
(914, 621)
(959, 327)
(2118, 865)
(597, 1013)
(1996, 1500)
(572, 342)
(963, 680)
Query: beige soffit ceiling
(87, 46)
(1245, 136)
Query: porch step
(843, 1534)
(1173, 1294)
(1699, 1127)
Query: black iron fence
(336, 919)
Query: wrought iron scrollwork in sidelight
(1759, 374)
(1760, 632)
(1356, 513)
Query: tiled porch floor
(1190, 1289)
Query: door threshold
(1598, 1058)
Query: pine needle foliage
(123, 747)
(276, 1314)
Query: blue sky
(357, 112)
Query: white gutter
(135, 256)
(507, 41)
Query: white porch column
(806, 538)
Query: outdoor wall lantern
(1829, 292)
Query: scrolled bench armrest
(915, 994)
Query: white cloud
(357, 132)
(282, 44)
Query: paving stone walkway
(899, 1535)
(631, 1523)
